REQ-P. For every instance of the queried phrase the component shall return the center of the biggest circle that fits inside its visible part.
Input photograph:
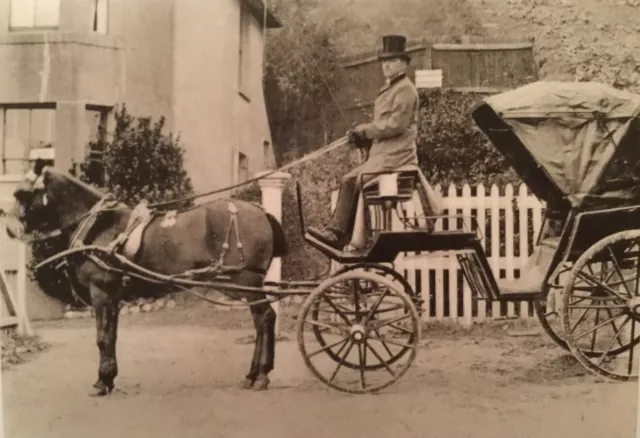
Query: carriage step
(480, 278)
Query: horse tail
(279, 242)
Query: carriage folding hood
(575, 144)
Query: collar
(390, 83)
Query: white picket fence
(509, 221)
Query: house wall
(215, 121)
(172, 58)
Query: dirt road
(179, 375)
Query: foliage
(139, 162)
(361, 23)
(250, 193)
(301, 66)
(317, 179)
(451, 150)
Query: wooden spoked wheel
(385, 271)
(370, 332)
(546, 310)
(601, 307)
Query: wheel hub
(357, 333)
(634, 306)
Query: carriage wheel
(368, 322)
(385, 271)
(601, 307)
(551, 321)
(549, 317)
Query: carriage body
(576, 145)
(577, 148)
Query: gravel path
(179, 374)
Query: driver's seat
(392, 190)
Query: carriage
(575, 145)
(577, 148)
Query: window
(99, 16)
(96, 119)
(243, 167)
(29, 14)
(23, 128)
(244, 55)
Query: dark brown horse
(194, 238)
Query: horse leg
(107, 312)
(257, 347)
(263, 315)
(265, 319)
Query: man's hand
(357, 138)
(352, 137)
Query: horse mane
(76, 181)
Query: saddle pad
(134, 240)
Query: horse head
(48, 200)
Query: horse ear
(38, 166)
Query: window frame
(244, 51)
(34, 25)
(95, 19)
(3, 132)
(242, 161)
(97, 156)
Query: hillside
(574, 39)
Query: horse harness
(129, 241)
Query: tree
(301, 67)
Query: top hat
(394, 46)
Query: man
(392, 135)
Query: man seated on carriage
(391, 136)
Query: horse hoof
(261, 383)
(100, 389)
(246, 384)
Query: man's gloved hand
(352, 136)
(357, 138)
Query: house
(65, 64)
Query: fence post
(271, 187)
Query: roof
(548, 99)
(257, 9)
(572, 143)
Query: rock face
(586, 40)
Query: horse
(192, 238)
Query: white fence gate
(509, 222)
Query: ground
(179, 371)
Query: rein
(311, 156)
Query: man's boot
(336, 233)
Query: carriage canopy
(575, 144)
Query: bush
(451, 149)
(139, 162)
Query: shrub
(451, 149)
(139, 162)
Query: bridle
(37, 183)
